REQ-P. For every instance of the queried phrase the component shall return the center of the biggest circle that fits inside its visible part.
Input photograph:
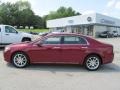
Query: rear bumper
(108, 58)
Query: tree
(23, 5)
(6, 14)
(62, 12)
(19, 14)
(44, 18)
(24, 14)
(38, 22)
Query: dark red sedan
(60, 48)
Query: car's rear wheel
(92, 62)
(20, 60)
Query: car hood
(22, 44)
(25, 34)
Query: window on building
(90, 30)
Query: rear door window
(74, 40)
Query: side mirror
(16, 32)
(39, 44)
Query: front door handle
(56, 47)
(84, 47)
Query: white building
(89, 24)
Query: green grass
(33, 30)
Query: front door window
(9, 29)
(52, 40)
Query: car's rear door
(73, 49)
(48, 52)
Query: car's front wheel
(92, 62)
(20, 60)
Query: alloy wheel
(92, 63)
(20, 60)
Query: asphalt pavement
(62, 77)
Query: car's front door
(10, 35)
(48, 52)
(73, 49)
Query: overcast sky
(43, 7)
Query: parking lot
(62, 77)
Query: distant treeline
(20, 14)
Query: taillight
(110, 49)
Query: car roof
(64, 33)
(69, 34)
(3, 25)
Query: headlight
(7, 48)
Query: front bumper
(7, 56)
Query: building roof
(93, 18)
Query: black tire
(20, 60)
(90, 63)
(26, 39)
(112, 36)
(107, 36)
